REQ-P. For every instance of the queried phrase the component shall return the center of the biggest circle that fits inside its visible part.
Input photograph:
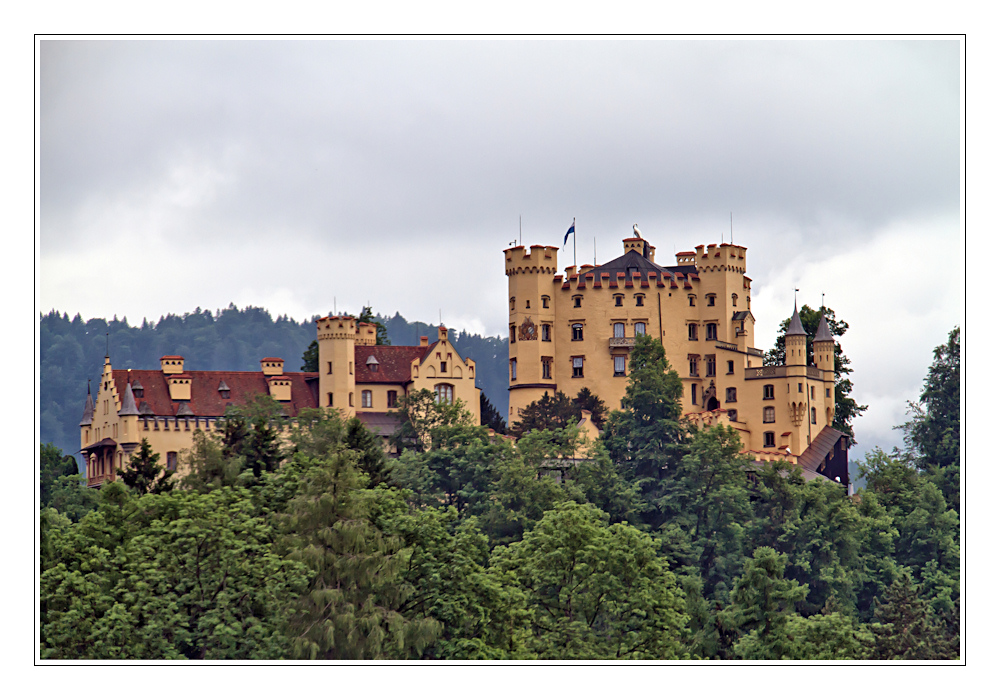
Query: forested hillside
(72, 350)
(664, 543)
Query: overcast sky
(287, 174)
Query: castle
(355, 376)
(576, 329)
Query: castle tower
(87, 418)
(128, 419)
(795, 341)
(823, 356)
(336, 337)
(531, 324)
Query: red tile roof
(393, 362)
(205, 397)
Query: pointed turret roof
(184, 409)
(88, 408)
(795, 326)
(128, 403)
(823, 332)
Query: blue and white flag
(572, 229)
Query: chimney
(272, 366)
(172, 364)
(442, 333)
(423, 341)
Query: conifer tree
(144, 474)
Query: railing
(813, 373)
(726, 346)
(755, 352)
(621, 343)
(764, 372)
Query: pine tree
(144, 474)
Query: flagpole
(574, 241)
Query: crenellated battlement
(538, 259)
(714, 257)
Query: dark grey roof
(128, 403)
(823, 332)
(814, 455)
(741, 315)
(223, 386)
(184, 409)
(136, 384)
(88, 408)
(380, 423)
(145, 409)
(631, 259)
(795, 326)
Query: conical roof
(184, 409)
(88, 408)
(128, 403)
(823, 332)
(795, 326)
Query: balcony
(764, 372)
(722, 345)
(627, 343)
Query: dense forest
(664, 543)
(72, 351)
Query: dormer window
(223, 390)
(371, 363)
(137, 389)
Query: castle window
(690, 299)
(711, 299)
(734, 299)
(769, 439)
(513, 369)
(729, 365)
(732, 414)
(800, 387)
(577, 331)
(769, 414)
(513, 334)
(693, 365)
(444, 393)
(692, 331)
(546, 368)
(512, 304)
(527, 303)
(390, 399)
(748, 302)
(329, 398)
(619, 365)
(709, 365)
(812, 415)
(619, 330)
(694, 394)
(350, 367)
(577, 366)
(329, 368)
(618, 299)
(546, 332)
(769, 391)
(366, 399)
(730, 394)
(827, 393)
(577, 301)
(545, 302)
(640, 329)
(710, 332)
(444, 366)
(350, 398)
(171, 461)
(638, 299)
(812, 393)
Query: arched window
(769, 414)
(735, 297)
(445, 393)
(769, 391)
(513, 369)
(640, 329)
(619, 330)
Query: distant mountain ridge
(72, 350)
